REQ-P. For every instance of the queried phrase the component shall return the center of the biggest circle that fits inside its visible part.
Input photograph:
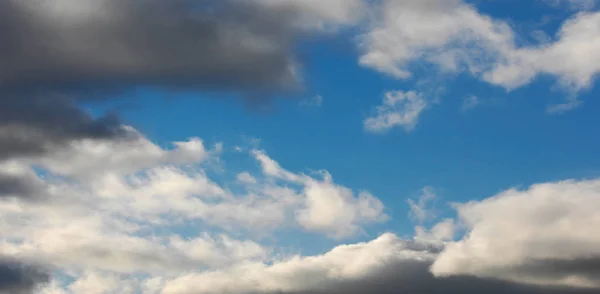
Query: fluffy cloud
(543, 235)
(107, 211)
(572, 57)
(450, 34)
(454, 36)
(387, 264)
(327, 207)
(399, 109)
(119, 232)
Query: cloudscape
(407, 146)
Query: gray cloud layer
(413, 277)
(19, 278)
(54, 54)
(35, 124)
(91, 43)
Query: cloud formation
(455, 37)
(115, 227)
(543, 235)
(399, 109)
(56, 54)
(387, 264)
(20, 278)
(208, 44)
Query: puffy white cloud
(327, 207)
(399, 109)
(448, 33)
(103, 221)
(456, 37)
(93, 157)
(571, 58)
(545, 235)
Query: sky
(299, 146)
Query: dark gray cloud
(20, 278)
(56, 54)
(208, 44)
(413, 277)
(557, 269)
(35, 124)
(19, 186)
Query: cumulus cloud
(542, 235)
(117, 232)
(107, 210)
(456, 37)
(327, 207)
(399, 109)
(387, 264)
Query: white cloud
(448, 33)
(345, 263)
(455, 37)
(399, 109)
(105, 225)
(327, 207)
(246, 178)
(543, 235)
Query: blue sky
(507, 140)
(325, 146)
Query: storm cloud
(66, 44)
(20, 278)
(57, 54)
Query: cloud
(214, 44)
(106, 209)
(19, 181)
(543, 235)
(327, 207)
(450, 34)
(119, 230)
(20, 278)
(455, 37)
(420, 210)
(399, 109)
(32, 125)
(58, 54)
(387, 264)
